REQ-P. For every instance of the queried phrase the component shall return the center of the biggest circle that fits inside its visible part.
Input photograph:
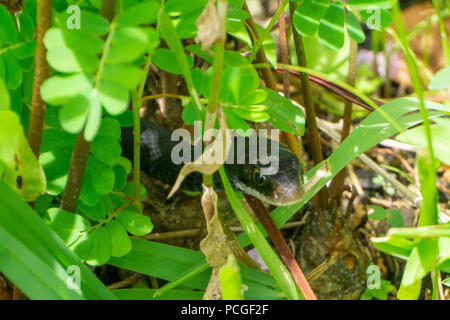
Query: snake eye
(259, 178)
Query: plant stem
(80, 153)
(311, 125)
(219, 53)
(76, 173)
(41, 73)
(260, 54)
(136, 149)
(347, 120)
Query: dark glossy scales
(156, 148)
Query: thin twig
(41, 73)
(282, 247)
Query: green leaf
(90, 22)
(106, 146)
(13, 71)
(308, 15)
(94, 117)
(24, 50)
(140, 13)
(58, 90)
(331, 28)
(76, 40)
(120, 242)
(26, 176)
(363, 4)
(67, 60)
(9, 135)
(165, 59)
(100, 250)
(129, 44)
(354, 28)
(148, 294)
(284, 115)
(66, 224)
(230, 280)
(4, 96)
(135, 223)
(125, 75)
(395, 218)
(379, 213)
(8, 29)
(26, 26)
(114, 97)
(73, 114)
(37, 259)
(101, 176)
(377, 19)
(441, 80)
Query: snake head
(278, 181)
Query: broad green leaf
(58, 90)
(37, 259)
(4, 96)
(354, 28)
(26, 176)
(379, 213)
(250, 115)
(441, 80)
(101, 176)
(129, 44)
(43, 203)
(73, 114)
(26, 26)
(120, 242)
(106, 146)
(9, 136)
(114, 97)
(66, 224)
(331, 28)
(140, 13)
(377, 19)
(97, 211)
(230, 280)
(125, 75)
(135, 223)
(100, 250)
(94, 116)
(8, 29)
(284, 115)
(165, 59)
(363, 4)
(253, 98)
(13, 71)
(236, 4)
(395, 218)
(91, 22)
(235, 122)
(77, 40)
(67, 60)
(395, 246)
(24, 50)
(308, 15)
(146, 257)
(148, 294)
(120, 177)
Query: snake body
(280, 188)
